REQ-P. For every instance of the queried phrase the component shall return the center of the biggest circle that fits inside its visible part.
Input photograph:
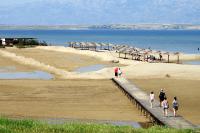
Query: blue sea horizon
(186, 41)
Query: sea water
(26, 75)
(186, 41)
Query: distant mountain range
(112, 26)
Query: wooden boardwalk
(141, 100)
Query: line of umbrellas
(123, 49)
(145, 53)
(90, 45)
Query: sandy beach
(73, 99)
(58, 96)
(54, 60)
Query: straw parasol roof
(178, 58)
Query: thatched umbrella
(70, 44)
(144, 53)
(126, 51)
(168, 54)
(178, 59)
(95, 45)
(82, 45)
(109, 45)
(102, 44)
(122, 50)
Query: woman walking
(165, 106)
(116, 71)
(175, 106)
(151, 99)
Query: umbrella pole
(178, 59)
(168, 58)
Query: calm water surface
(187, 41)
(26, 75)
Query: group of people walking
(164, 103)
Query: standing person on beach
(175, 106)
(116, 72)
(161, 96)
(151, 99)
(119, 72)
(165, 106)
(160, 55)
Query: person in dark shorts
(161, 96)
(116, 72)
(175, 106)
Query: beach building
(9, 42)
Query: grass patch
(30, 126)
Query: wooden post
(178, 59)
(168, 58)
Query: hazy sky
(53, 12)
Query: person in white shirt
(119, 72)
(151, 99)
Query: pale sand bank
(133, 69)
(75, 99)
(187, 92)
(7, 65)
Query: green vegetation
(29, 43)
(30, 126)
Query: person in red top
(116, 72)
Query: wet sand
(187, 92)
(73, 99)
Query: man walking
(161, 96)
